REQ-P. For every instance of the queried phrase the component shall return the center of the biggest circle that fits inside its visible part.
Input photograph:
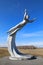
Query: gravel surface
(6, 61)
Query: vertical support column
(10, 46)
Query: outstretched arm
(30, 21)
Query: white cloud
(3, 45)
(37, 44)
(39, 33)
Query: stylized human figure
(12, 36)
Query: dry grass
(36, 52)
(4, 52)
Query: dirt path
(6, 61)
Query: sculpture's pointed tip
(25, 10)
(25, 14)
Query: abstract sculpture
(14, 52)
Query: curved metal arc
(14, 52)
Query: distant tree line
(26, 47)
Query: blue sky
(11, 13)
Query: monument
(14, 52)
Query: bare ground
(6, 61)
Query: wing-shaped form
(30, 21)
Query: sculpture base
(21, 58)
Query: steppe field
(37, 52)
